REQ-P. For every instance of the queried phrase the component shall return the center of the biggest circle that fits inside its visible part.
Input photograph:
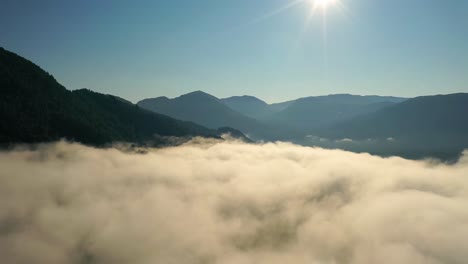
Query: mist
(227, 202)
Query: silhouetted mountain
(310, 112)
(253, 107)
(248, 105)
(357, 99)
(315, 112)
(277, 107)
(34, 107)
(428, 125)
(431, 126)
(207, 110)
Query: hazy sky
(139, 49)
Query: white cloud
(212, 202)
(345, 140)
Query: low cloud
(229, 202)
(344, 140)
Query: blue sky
(149, 48)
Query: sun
(322, 4)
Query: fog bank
(229, 202)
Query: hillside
(320, 111)
(209, 111)
(248, 105)
(34, 107)
(427, 115)
(309, 113)
(431, 125)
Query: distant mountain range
(435, 126)
(34, 107)
(201, 108)
(254, 117)
(253, 107)
(209, 111)
(311, 112)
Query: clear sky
(149, 48)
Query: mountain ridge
(34, 107)
(207, 110)
(256, 108)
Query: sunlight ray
(277, 11)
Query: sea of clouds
(230, 203)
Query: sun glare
(322, 4)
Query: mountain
(429, 126)
(247, 105)
(278, 107)
(426, 126)
(310, 113)
(281, 121)
(34, 107)
(253, 107)
(209, 111)
(357, 99)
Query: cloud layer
(229, 202)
